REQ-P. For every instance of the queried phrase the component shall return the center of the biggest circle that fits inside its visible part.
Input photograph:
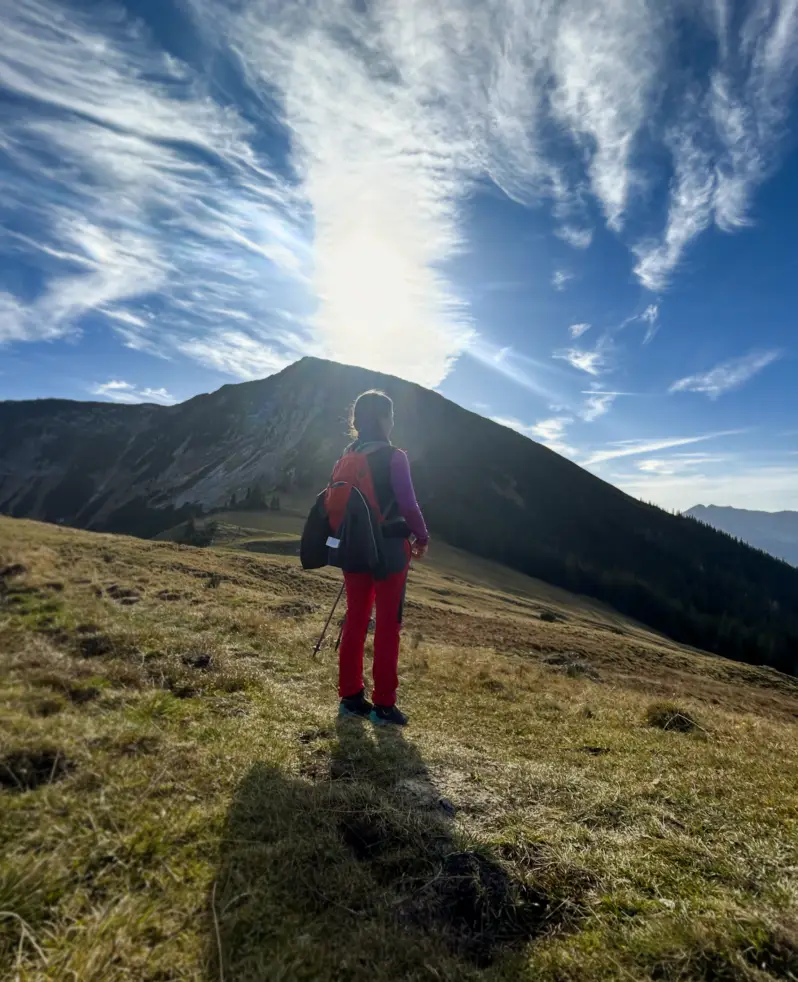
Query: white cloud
(384, 182)
(679, 463)
(148, 189)
(596, 405)
(561, 278)
(551, 429)
(727, 141)
(607, 56)
(655, 465)
(577, 330)
(549, 432)
(689, 213)
(631, 448)
(726, 376)
(145, 188)
(592, 362)
(117, 390)
(12, 318)
(650, 317)
(237, 354)
(513, 424)
(578, 238)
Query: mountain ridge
(774, 532)
(484, 488)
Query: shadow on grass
(355, 872)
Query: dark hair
(369, 411)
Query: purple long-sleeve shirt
(405, 494)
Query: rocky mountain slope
(774, 532)
(485, 488)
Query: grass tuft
(669, 716)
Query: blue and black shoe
(388, 716)
(356, 705)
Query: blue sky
(576, 217)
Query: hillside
(773, 532)
(573, 800)
(487, 489)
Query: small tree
(195, 536)
(255, 498)
(275, 503)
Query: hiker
(404, 535)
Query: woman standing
(402, 521)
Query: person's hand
(418, 550)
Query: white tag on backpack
(332, 542)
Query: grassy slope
(272, 532)
(200, 815)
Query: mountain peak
(483, 488)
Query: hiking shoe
(388, 715)
(357, 705)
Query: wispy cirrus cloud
(577, 330)
(561, 278)
(148, 199)
(155, 199)
(679, 463)
(593, 362)
(597, 404)
(726, 376)
(726, 140)
(117, 390)
(650, 317)
(632, 448)
(236, 353)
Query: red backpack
(344, 527)
(351, 473)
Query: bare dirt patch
(126, 596)
(199, 660)
(295, 608)
(11, 570)
(95, 645)
(169, 595)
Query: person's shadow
(317, 873)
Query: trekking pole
(324, 629)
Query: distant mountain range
(774, 532)
(483, 487)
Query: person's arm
(405, 495)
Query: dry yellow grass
(177, 801)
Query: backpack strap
(373, 447)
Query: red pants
(361, 590)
